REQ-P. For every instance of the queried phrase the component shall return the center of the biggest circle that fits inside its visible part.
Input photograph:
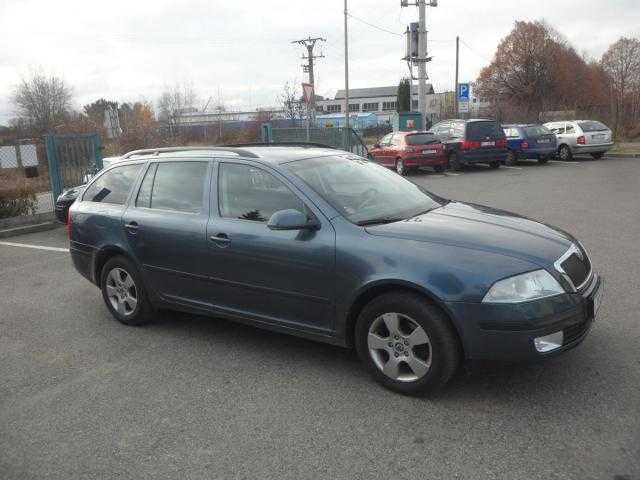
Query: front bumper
(507, 331)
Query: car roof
(276, 154)
(468, 120)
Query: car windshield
(363, 192)
(592, 126)
(536, 131)
(481, 130)
(421, 139)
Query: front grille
(574, 332)
(576, 266)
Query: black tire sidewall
(445, 349)
(454, 162)
(142, 310)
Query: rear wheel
(439, 168)
(124, 293)
(564, 153)
(400, 168)
(406, 343)
(512, 158)
(597, 155)
(494, 164)
(454, 162)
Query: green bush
(17, 200)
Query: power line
(382, 29)
(474, 51)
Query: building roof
(372, 92)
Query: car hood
(484, 229)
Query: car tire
(418, 355)
(494, 165)
(543, 160)
(439, 168)
(400, 168)
(512, 158)
(564, 153)
(454, 162)
(597, 155)
(124, 293)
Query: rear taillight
(525, 144)
(501, 143)
(469, 145)
(69, 224)
(582, 140)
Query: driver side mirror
(291, 220)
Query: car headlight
(524, 287)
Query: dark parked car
(529, 141)
(408, 151)
(472, 141)
(326, 245)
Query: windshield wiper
(380, 221)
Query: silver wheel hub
(399, 347)
(121, 291)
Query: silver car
(581, 136)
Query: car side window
(177, 186)
(386, 140)
(113, 186)
(250, 193)
(570, 128)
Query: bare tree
(177, 100)
(291, 102)
(622, 62)
(42, 101)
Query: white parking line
(36, 247)
(512, 168)
(566, 164)
(450, 174)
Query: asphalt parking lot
(82, 396)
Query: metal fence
(339, 137)
(25, 187)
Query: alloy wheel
(122, 291)
(400, 167)
(399, 347)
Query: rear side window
(250, 193)
(113, 186)
(536, 131)
(421, 139)
(177, 186)
(481, 130)
(592, 126)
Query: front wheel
(454, 162)
(439, 168)
(123, 292)
(512, 158)
(494, 165)
(564, 153)
(406, 343)
(400, 168)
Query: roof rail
(157, 151)
(280, 144)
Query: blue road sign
(463, 92)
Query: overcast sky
(241, 50)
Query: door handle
(220, 239)
(132, 227)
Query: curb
(622, 155)
(38, 227)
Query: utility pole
(422, 58)
(457, 70)
(309, 43)
(346, 74)
(422, 64)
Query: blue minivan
(529, 141)
(324, 244)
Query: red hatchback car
(408, 151)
